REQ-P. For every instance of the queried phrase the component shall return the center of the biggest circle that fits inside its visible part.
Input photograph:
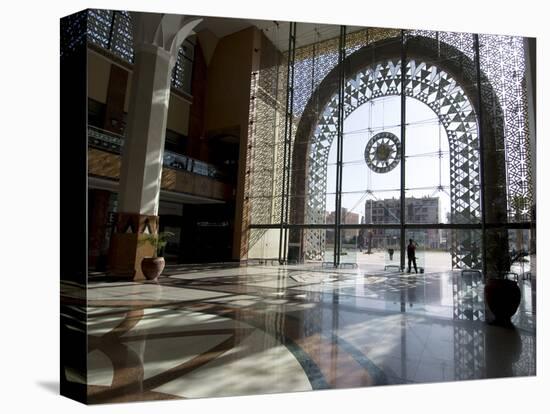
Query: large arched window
(363, 155)
(433, 97)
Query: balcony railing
(109, 141)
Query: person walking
(411, 255)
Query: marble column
(157, 38)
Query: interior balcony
(181, 174)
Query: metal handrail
(113, 142)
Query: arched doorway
(444, 79)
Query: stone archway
(442, 78)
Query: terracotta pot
(152, 267)
(502, 296)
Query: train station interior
(333, 206)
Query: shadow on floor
(51, 386)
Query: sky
(425, 138)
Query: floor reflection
(205, 332)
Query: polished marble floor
(211, 331)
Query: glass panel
(427, 167)
(371, 249)
(311, 246)
(326, 248)
(519, 242)
(505, 98)
(350, 246)
(265, 209)
(442, 152)
(457, 83)
(466, 248)
(522, 250)
(263, 244)
(371, 176)
(415, 251)
(315, 124)
(313, 190)
(511, 253)
(265, 155)
(468, 301)
(433, 249)
(442, 145)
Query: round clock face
(383, 152)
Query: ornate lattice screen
(502, 63)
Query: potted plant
(152, 267)
(502, 295)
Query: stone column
(157, 38)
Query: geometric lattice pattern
(469, 353)
(73, 33)
(503, 90)
(439, 91)
(121, 42)
(316, 60)
(112, 30)
(313, 63)
(502, 59)
(468, 302)
(383, 152)
(99, 27)
(183, 67)
(466, 248)
(264, 184)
